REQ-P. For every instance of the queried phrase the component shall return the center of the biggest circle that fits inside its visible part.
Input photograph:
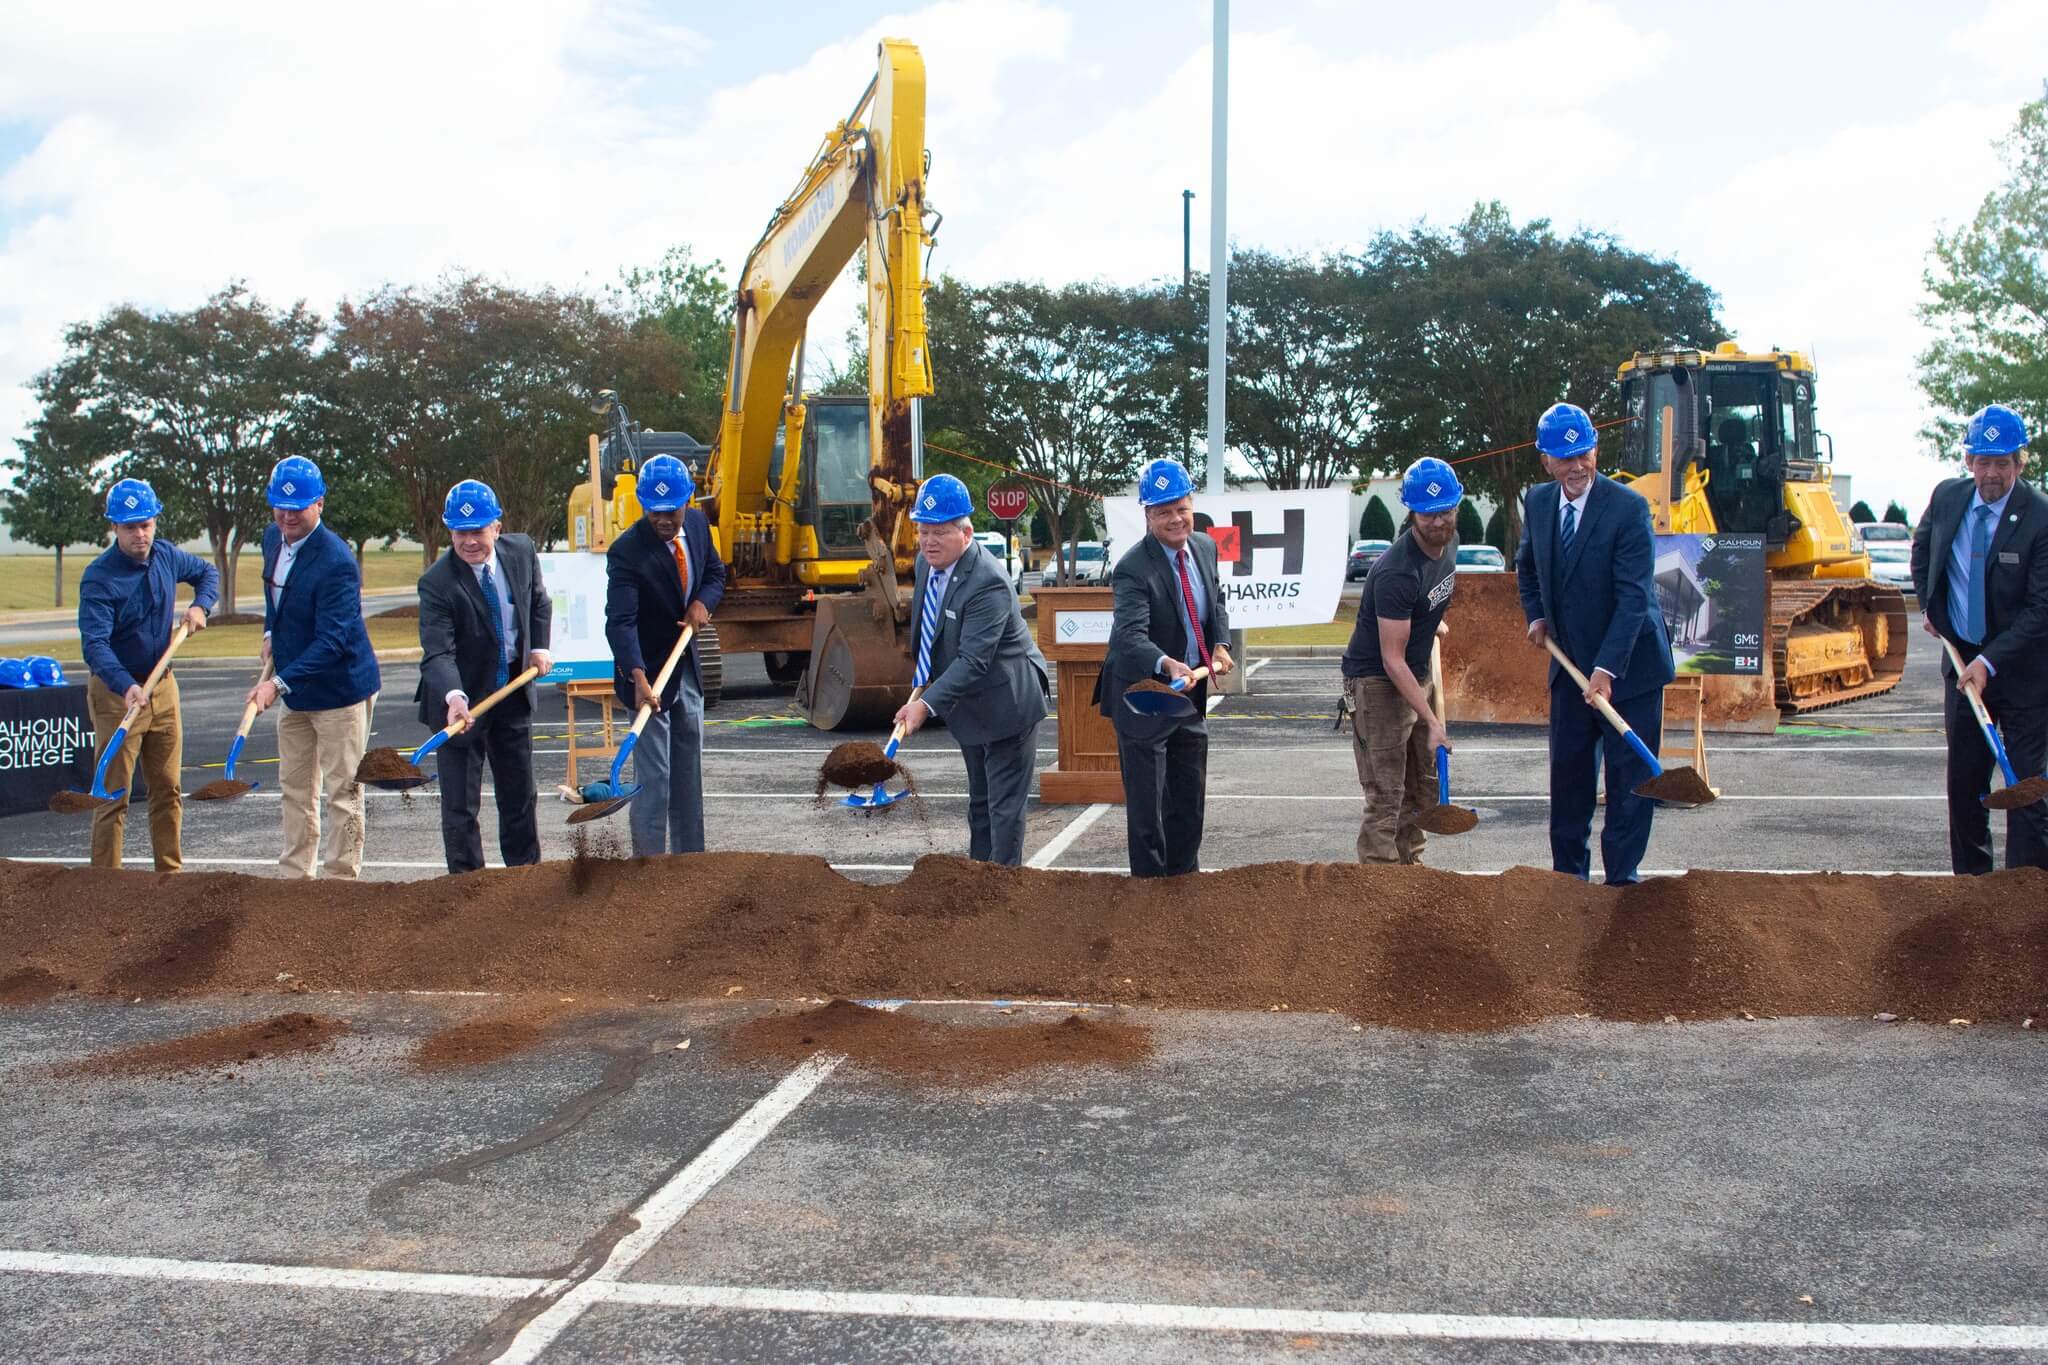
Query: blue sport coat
(1601, 598)
(643, 601)
(315, 622)
(127, 611)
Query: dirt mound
(857, 763)
(387, 765)
(1401, 946)
(222, 789)
(931, 1052)
(278, 1036)
(75, 803)
(29, 986)
(479, 1042)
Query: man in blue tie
(1980, 567)
(485, 615)
(1586, 566)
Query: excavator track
(1835, 641)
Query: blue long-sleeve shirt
(127, 609)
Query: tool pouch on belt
(1344, 710)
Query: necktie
(1187, 592)
(1980, 550)
(682, 566)
(494, 612)
(927, 630)
(1571, 528)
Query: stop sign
(1007, 500)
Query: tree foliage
(678, 314)
(1860, 512)
(1471, 530)
(1987, 296)
(1376, 522)
(1895, 512)
(1497, 529)
(1301, 373)
(55, 498)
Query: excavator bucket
(860, 672)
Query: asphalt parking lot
(1269, 1186)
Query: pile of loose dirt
(1401, 946)
(30, 986)
(857, 763)
(278, 1036)
(387, 765)
(927, 1051)
(1151, 685)
(479, 1042)
(75, 803)
(222, 789)
(593, 855)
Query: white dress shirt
(506, 614)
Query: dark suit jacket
(643, 601)
(458, 647)
(2015, 586)
(317, 637)
(988, 680)
(1147, 625)
(1601, 598)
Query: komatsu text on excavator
(1723, 442)
(806, 495)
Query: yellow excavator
(1723, 442)
(818, 548)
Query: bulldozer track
(1859, 602)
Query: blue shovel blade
(881, 796)
(1147, 702)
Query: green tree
(1497, 530)
(1480, 327)
(1300, 373)
(1376, 522)
(1861, 512)
(1471, 530)
(1987, 296)
(675, 381)
(201, 404)
(1895, 512)
(55, 499)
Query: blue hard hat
(470, 506)
(14, 673)
(1164, 481)
(943, 498)
(44, 671)
(1564, 431)
(132, 500)
(1995, 430)
(295, 484)
(1430, 485)
(665, 484)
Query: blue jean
(668, 763)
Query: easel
(599, 691)
(1686, 699)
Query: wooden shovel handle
(156, 675)
(1613, 716)
(675, 656)
(1976, 702)
(249, 711)
(896, 735)
(1193, 678)
(456, 727)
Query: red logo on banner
(1226, 543)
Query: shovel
(225, 787)
(621, 794)
(389, 782)
(1443, 817)
(74, 802)
(1153, 698)
(1681, 786)
(2015, 793)
(879, 794)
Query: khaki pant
(159, 739)
(1391, 746)
(319, 750)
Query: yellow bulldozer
(818, 548)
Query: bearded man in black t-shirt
(1397, 715)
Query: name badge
(952, 615)
(2008, 557)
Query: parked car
(1891, 561)
(1481, 559)
(994, 543)
(1362, 556)
(1087, 562)
(1883, 533)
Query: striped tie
(1973, 597)
(927, 630)
(1571, 528)
(496, 616)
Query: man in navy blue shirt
(127, 611)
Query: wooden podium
(1073, 633)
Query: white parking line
(290, 1276)
(1061, 842)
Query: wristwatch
(284, 689)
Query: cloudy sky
(1797, 158)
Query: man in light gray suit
(978, 667)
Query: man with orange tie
(662, 574)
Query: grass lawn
(1330, 633)
(25, 579)
(231, 642)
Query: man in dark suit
(325, 671)
(485, 616)
(1586, 566)
(1170, 620)
(1980, 567)
(979, 668)
(661, 574)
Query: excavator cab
(832, 493)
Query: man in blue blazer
(1586, 567)
(979, 668)
(1980, 568)
(661, 574)
(323, 668)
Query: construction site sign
(1279, 556)
(1715, 602)
(576, 582)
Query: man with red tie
(1170, 620)
(662, 574)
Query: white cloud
(2007, 40)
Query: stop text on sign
(1007, 500)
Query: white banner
(1280, 556)
(576, 583)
